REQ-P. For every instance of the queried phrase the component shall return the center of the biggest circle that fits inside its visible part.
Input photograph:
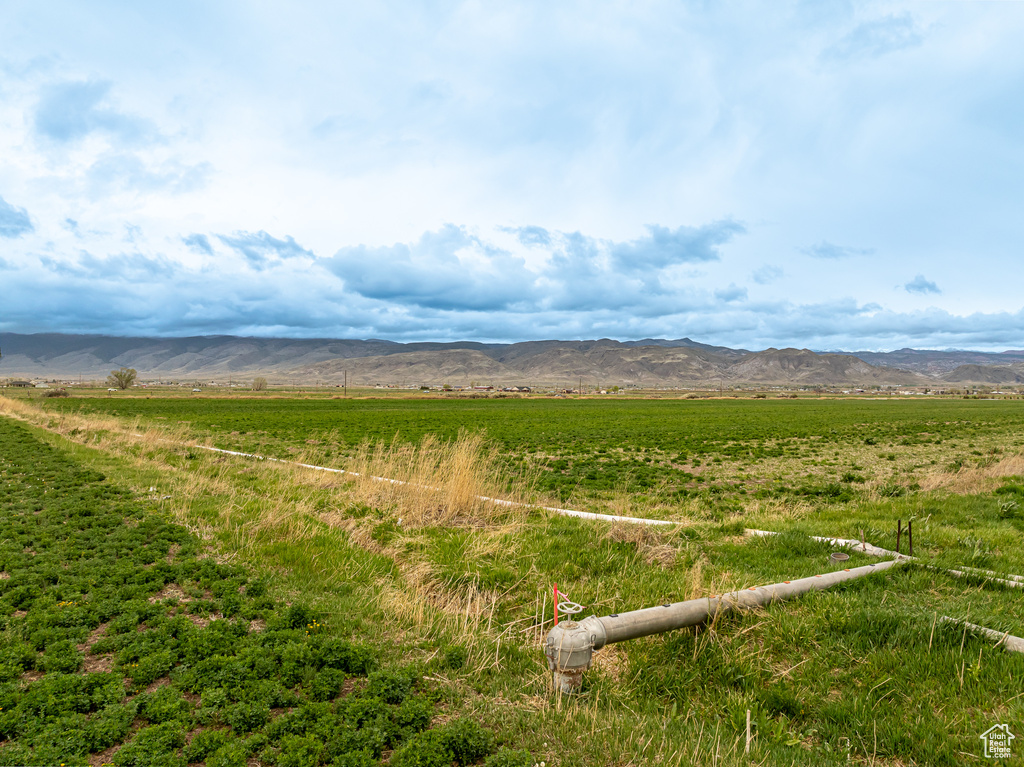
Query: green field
(457, 594)
(713, 449)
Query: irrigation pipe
(570, 646)
(486, 499)
(1011, 643)
(1013, 581)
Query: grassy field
(456, 592)
(656, 452)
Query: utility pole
(346, 384)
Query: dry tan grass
(976, 479)
(695, 586)
(437, 483)
(651, 544)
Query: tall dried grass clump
(977, 479)
(438, 482)
(651, 545)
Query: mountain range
(647, 363)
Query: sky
(825, 175)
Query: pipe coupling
(569, 648)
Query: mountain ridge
(605, 361)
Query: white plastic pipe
(1011, 643)
(1013, 581)
(499, 501)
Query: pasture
(457, 591)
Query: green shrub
(414, 714)
(232, 754)
(371, 740)
(298, 616)
(153, 747)
(453, 658)
(357, 711)
(392, 685)
(467, 740)
(296, 663)
(327, 684)
(164, 705)
(298, 751)
(205, 743)
(109, 726)
(424, 749)
(246, 717)
(150, 668)
(345, 656)
(57, 694)
(15, 659)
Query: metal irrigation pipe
(570, 645)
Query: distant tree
(259, 384)
(122, 378)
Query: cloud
(69, 111)
(531, 235)
(260, 248)
(447, 269)
(455, 270)
(14, 222)
(127, 170)
(198, 243)
(767, 274)
(450, 284)
(920, 285)
(664, 247)
(120, 268)
(827, 250)
(876, 38)
(731, 294)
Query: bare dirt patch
(104, 757)
(156, 684)
(202, 621)
(170, 591)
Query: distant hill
(647, 362)
(988, 374)
(803, 366)
(937, 363)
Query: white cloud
(595, 161)
(920, 285)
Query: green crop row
(120, 640)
